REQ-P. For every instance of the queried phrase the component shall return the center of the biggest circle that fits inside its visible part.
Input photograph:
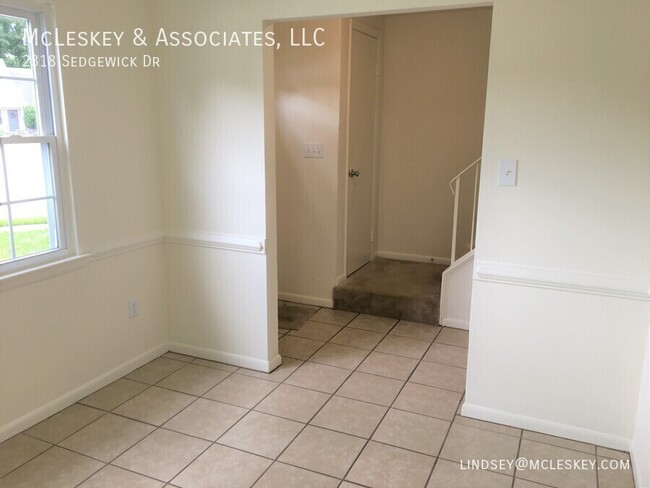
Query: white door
(361, 149)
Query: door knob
(352, 173)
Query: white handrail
(451, 183)
(454, 184)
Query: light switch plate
(508, 172)
(313, 150)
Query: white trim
(35, 416)
(128, 244)
(306, 300)
(455, 323)
(546, 427)
(226, 357)
(45, 272)
(416, 258)
(555, 279)
(227, 242)
(340, 279)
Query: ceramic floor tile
(317, 331)
(65, 423)
(403, 346)
(293, 403)
(261, 434)
(241, 390)
(114, 395)
(151, 373)
(339, 356)
(114, 477)
(284, 476)
(465, 443)
(323, 451)
(330, 316)
(107, 437)
(373, 323)
(318, 377)
(298, 347)
(162, 455)
(279, 374)
(453, 337)
(415, 330)
(206, 419)
(612, 453)
(447, 474)
(221, 466)
(429, 401)
(440, 376)
(55, 468)
(382, 466)
(445, 354)
(612, 475)
(178, 357)
(480, 424)
(215, 365)
(362, 339)
(412, 431)
(388, 365)
(350, 416)
(559, 442)
(371, 388)
(155, 405)
(17, 450)
(574, 478)
(193, 379)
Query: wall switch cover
(507, 172)
(313, 150)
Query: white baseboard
(340, 279)
(416, 258)
(306, 300)
(546, 427)
(58, 404)
(228, 358)
(455, 323)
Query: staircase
(456, 293)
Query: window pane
(34, 226)
(28, 171)
(5, 245)
(3, 191)
(18, 102)
(13, 49)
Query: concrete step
(396, 289)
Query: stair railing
(454, 184)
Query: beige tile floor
(358, 401)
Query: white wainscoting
(456, 293)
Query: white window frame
(52, 134)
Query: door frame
(355, 24)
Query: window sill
(44, 272)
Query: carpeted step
(396, 289)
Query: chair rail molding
(626, 287)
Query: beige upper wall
(307, 110)
(435, 77)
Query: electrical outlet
(134, 308)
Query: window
(32, 229)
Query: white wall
(308, 94)
(560, 305)
(62, 337)
(435, 76)
(640, 449)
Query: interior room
(159, 212)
